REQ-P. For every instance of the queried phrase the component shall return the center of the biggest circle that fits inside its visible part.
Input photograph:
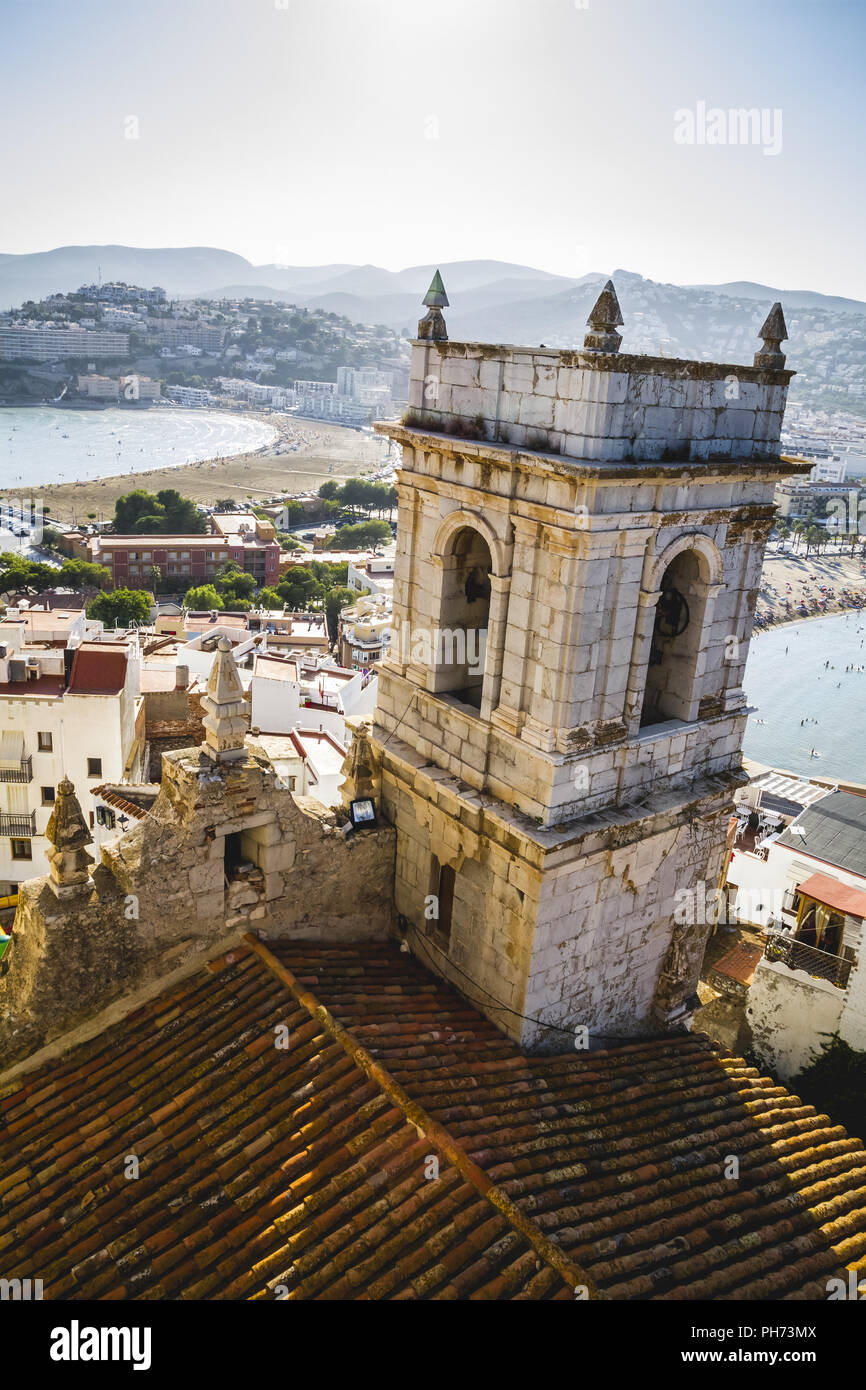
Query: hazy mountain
(181, 270)
(797, 299)
(496, 301)
(196, 270)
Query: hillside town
(200, 353)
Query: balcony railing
(18, 827)
(22, 773)
(798, 955)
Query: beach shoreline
(836, 581)
(304, 454)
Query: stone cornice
(625, 470)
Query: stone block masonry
(601, 518)
(224, 848)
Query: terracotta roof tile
(300, 1173)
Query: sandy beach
(820, 584)
(305, 454)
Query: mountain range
(495, 301)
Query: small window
(94, 767)
(447, 877)
(22, 849)
(45, 743)
(106, 817)
(47, 796)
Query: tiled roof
(300, 1172)
(99, 669)
(739, 964)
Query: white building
(809, 880)
(66, 711)
(289, 693)
(189, 395)
(54, 344)
(375, 574)
(365, 632)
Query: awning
(11, 748)
(835, 894)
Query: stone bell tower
(559, 722)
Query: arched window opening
(676, 643)
(462, 634)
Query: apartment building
(173, 334)
(351, 381)
(127, 388)
(365, 632)
(191, 560)
(375, 575)
(99, 388)
(67, 711)
(189, 395)
(55, 344)
(115, 293)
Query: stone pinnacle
(774, 332)
(432, 327)
(604, 319)
(436, 298)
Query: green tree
(337, 599)
(121, 607)
(294, 511)
(140, 513)
(363, 533)
(330, 490)
(300, 588)
(17, 572)
(79, 574)
(270, 599)
(236, 586)
(203, 598)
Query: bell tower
(559, 722)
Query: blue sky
(404, 131)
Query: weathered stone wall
(599, 406)
(159, 898)
(578, 559)
(571, 929)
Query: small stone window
(22, 849)
(47, 796)
(45, 743)
(94, 767)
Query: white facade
(49, 730)
(50, 344)
(790, 1002)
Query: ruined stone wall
(159, 898)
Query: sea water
(797, 672)
(40, 445)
